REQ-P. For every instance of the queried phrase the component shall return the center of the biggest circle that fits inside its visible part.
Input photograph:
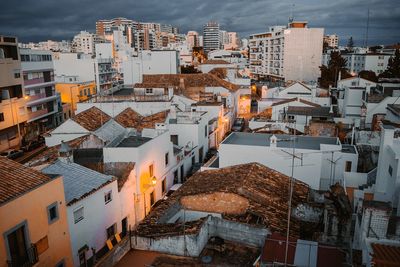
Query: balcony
(36, 114)
(30, 259)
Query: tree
(368, 75)
(330, 73)
(350, 44)
(393, 68)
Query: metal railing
(31, 258)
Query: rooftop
(16, 180)
(310, 111)
(259, 139)
(131, 119)
(259, 194)
(215, 62)
(91, 119)
(295, 99)
(198, 80)
(79, 181)
(394, 108)
(133, 141)
(385, 255)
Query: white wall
(68, 64)
(98, 216)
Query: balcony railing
(31, 259)
(36, 114)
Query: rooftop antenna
(291, 13)
(366, 33)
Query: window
(78, 215)
(17, 75)
(17, 244)
(61, 263)
(149, 90)
(348, 166)
(111, 231)
(164, 186)
(108, 197)
(2, 54)
(174, 139)
(151, 170)
(205, 131)
(390, 170)
(1, 116)
(166, 159)
(152, 199)
(52, 213)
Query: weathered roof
(215, 61)
(385, 255)
(295, 99)
(133, 141)
(197, 80)
(50, 154)
(91, 119)
(79, 181)
(310, 111)
(131, 119)
(395, 108)
(16, 180)
(265, 189)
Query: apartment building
(192, 39)
(12, 103)
(289, 53)
(331, 40)
(33, 226)
(43, 103)
(211, 37)
(357, 62)
(73, 90)
(105, 25)
(84, 42)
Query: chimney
(170, 92)
(65, 153)
(172, 112)
(182, 83)
(272, 141)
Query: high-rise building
(12, 103)
(105, 25)
(85, 42)
(289, 53)
(331, 40)
(232, 42)
(43, 103)
(192, 39)
(211, 37)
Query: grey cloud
(61, 19)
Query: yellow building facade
(74, 93)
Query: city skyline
(345, 18)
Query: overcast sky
(38, 20)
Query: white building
(84, 42)
(331, 40)
(388, 175)
(233, 41)
(357, 62)
(93, 208)
(290, 53)
(150, 62)
(43, 102)
(211, 37)
(319, 162)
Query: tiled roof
(50, 154)
(395, 108)
(92, 118)
(265, 189)
(131, 119)
(310, 111)
(16, 179)
(385, 255)
(215, 61)
(79, 181)
(197, 80)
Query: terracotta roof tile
(131, 119)
(16, 179)
(187, 81)
(215, 61)
(264, 188)
(91, 119)
(385, 255)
